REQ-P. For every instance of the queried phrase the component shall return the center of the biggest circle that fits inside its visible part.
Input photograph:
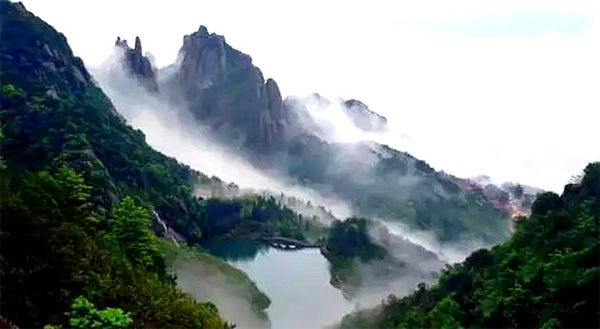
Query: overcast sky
(510, 89)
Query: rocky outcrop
(137, 64)
(224, 89)
(203, 59)
(272, 118)
(364, 118)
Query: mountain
(547, 275)
(223, 88)
(512, 198)
(80, 189)
(138, 65)
(225, 92)
(77, 184)
(363, 118)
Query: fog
(499, 88)
(167, 129)
(208, 281)
(446, 252)
(329, 119)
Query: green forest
(545, 276)
(78, 188)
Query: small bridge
(288, 243)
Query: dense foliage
(350, 238)
(546, 276)
(69, 163)
(83, 314)
(53, 113)
(347, 248)
(258, 215)
(55, 248)
(80, 187)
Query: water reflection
(233, 250)
(297, 282)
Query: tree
(444, 314)
(83, 314)
(129, 230)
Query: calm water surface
(296, 281)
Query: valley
(195, 195)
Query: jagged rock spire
(121, 43)
(203, 31)
(138, 45)
(137, 64)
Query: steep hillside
(78, 189)
(53, 113)
(546, 276)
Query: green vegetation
(349, 246)
(546, 276)
(55, 248)
(76, 187)
(83, 314)
(130, 234)
(350, 239)
(53, 113)
(254, 216)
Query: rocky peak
(220, 84)
(137, 64)
(203, 58)
(202, 31)
(272, 115)
(363, 118)
(138, 46)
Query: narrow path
(288, 243)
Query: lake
(297, 282)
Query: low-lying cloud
(167, 129)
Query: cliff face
(224, 89)
(137, 64)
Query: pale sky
(510, 89)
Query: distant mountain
(364, 118)
(221, 87)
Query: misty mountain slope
(223, 90)
(547, 275)
(58, 127)
(73, 122)
(361, 280)
(57, 114)
(368, 261)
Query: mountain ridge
(224, 91)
